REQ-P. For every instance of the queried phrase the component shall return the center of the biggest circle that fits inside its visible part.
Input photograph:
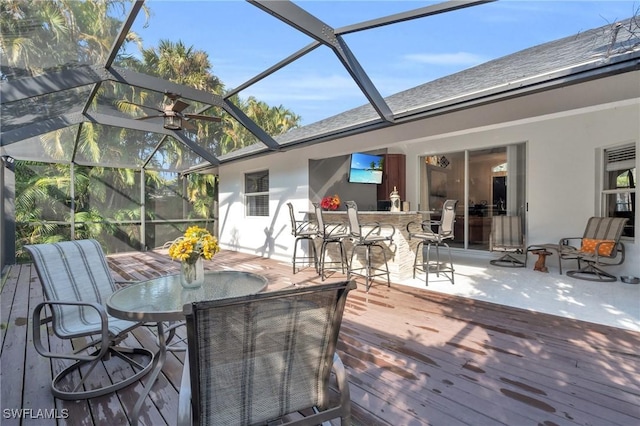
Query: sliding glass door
(485, 182)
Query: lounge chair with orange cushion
(599, 246)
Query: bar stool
(303, 230)
(367, 240)
(438, 238)
(330, 233)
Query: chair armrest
(342, 381)
(376, 228)
(37, 322)
(423, 225)
(333, 228)
(566, 241)
(305, 225)
(617, 248)
(184, 396)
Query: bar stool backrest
(294, 223)
(322, 231)
(448, 219)
(354, 223)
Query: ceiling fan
(171, 112)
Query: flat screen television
(365, 168)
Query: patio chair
(303, 230)
(427, 235)
(368, 236)
(598, 247)
(507, 237)
(258, 359)
(330, 233)
(77, 282)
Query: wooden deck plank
(414, 357)
(36, 394)
(14, 348)
(475, 332)
(9, 281)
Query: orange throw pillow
(604, 249)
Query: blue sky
(242, 41)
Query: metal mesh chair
(603, 234)
(77, 283)
(507, 237)
(599, 246)
(303, 230)
(259, 358)
(439, 237)
(367, 239)
(330, 234)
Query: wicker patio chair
(265, 357)
(507, 237)
(77, 283)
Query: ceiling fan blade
(178, 105)
(203, 117)
(147, 117)
(142, 106)
(189, 126)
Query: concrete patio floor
(614, 304)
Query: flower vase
(192, 274)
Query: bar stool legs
(334, 263)
(313, 256)
(368, 270)
(303, 230)
(426, 266)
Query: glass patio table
(162, 299)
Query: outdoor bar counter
(400, 253)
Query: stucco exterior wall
(564, 169)
(265, 236)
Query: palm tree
(180, 64)
(39, 36)
(274, 120)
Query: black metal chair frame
(602, 228)
(367, 240)
(303, 230)
(507, 237)
(330, 233)
(266, 358)
(79, 270)
(428, 237)
(568, 248)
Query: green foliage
(41, 36)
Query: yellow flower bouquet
(197, 243)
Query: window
(619, 188)
(256, 193)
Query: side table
(548, 250)
(540, 263)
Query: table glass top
(162, 298)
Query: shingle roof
(586, 51)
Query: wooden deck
(414, 357)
